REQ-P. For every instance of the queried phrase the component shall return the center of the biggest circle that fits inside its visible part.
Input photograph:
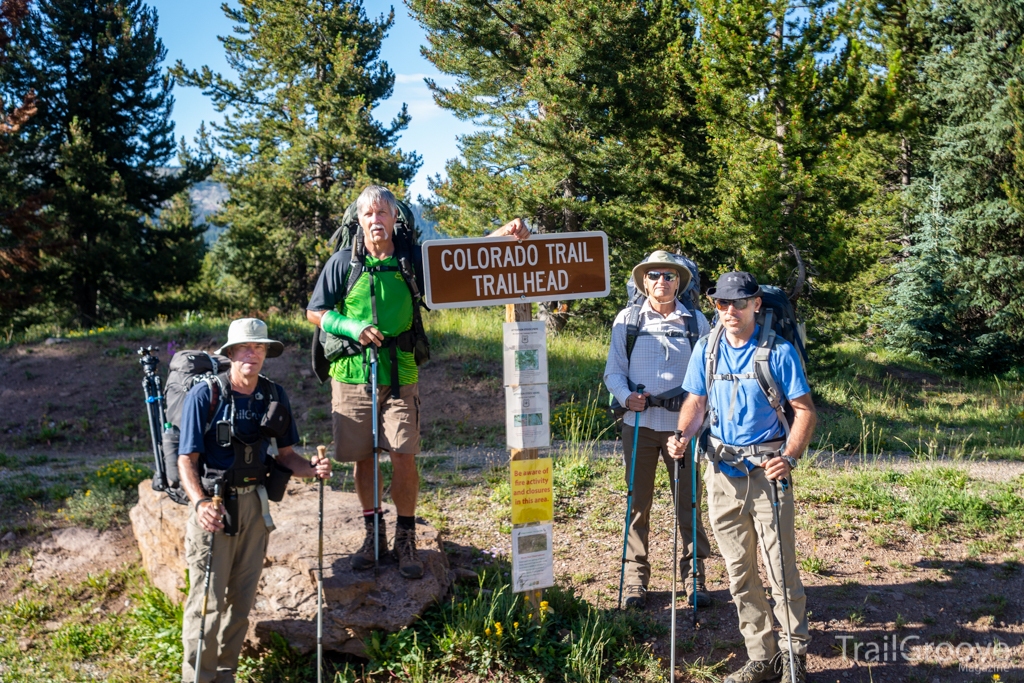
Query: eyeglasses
(738, 304)
(655, 275)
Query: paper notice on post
(532, 559)
(527, 416)
(526, 353)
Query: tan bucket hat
(251, 331)
(660, 260)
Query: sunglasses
(655, 275)
(738, 304)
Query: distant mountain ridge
(209, 196)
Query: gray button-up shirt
(659, 363)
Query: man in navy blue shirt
(749, 447)
(240, 455)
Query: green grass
(576, 357)
(931, 498)
(872, 401)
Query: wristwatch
(790, 460)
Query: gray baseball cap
(251, 331)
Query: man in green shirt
(381, 322)
(385, 320)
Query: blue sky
(189, 29)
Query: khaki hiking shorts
(352, 413)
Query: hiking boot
(753, 671)
(409, 564)
(701, 596)
(636, 597)
(363, 558)
(782, 665)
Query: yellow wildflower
(497, 628)
(543, 605)
(487, 631)
(515, 624)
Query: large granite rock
(354, 602)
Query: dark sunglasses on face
(655, 275)
(738, 304)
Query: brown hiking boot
(409, 564)
(363, 558)
(636, 596)
(753, 671)
(701, 595)
(800, 670)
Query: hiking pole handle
(679, 438)
(640, 390)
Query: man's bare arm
(805, 418)
(301, 467)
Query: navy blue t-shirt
(249, 411)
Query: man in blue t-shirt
(237, 456)
(749, 447)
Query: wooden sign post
(461, 273)
(517, 313)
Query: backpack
(777, 319)
(689, 297)
(187, 369)
(348, 241)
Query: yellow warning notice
(532, 496)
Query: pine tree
(98, 146)
(21, 226)
(974, 72)
(300, 137)
(586, 124)
(778, 82)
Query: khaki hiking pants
(235, 575)
(741, 517)
(651, 446)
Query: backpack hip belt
(757, 453)
(671, 400)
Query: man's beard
(382, 227)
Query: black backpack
(689, 297)
(777, 319)
(348, 241)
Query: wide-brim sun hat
(660, 260)
(251, 331)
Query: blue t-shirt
(753, 420)
(249, 411)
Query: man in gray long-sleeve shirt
(659, 354)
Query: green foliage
(301, 140)
(490, 631)
(98, 508)
(85, 640)
(120, 475)
(95, 151)
(579, 422)
(972, 72)
(586, 124)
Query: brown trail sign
(482, 271)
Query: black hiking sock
(368, 518)
(406, 522)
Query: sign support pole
(518, 313)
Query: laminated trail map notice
(526, 353)
(532, 559)
(527, 416)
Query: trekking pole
(371, 350)
(206, 587)
(693, 508)
(322, 452)
(675, 561)
(782, 575)
(629, 495)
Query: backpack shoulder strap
(219, 386)
(763, 370)
(711, 365)
(632, 329)
(351, 271)
(270, 387)
(692, 326)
